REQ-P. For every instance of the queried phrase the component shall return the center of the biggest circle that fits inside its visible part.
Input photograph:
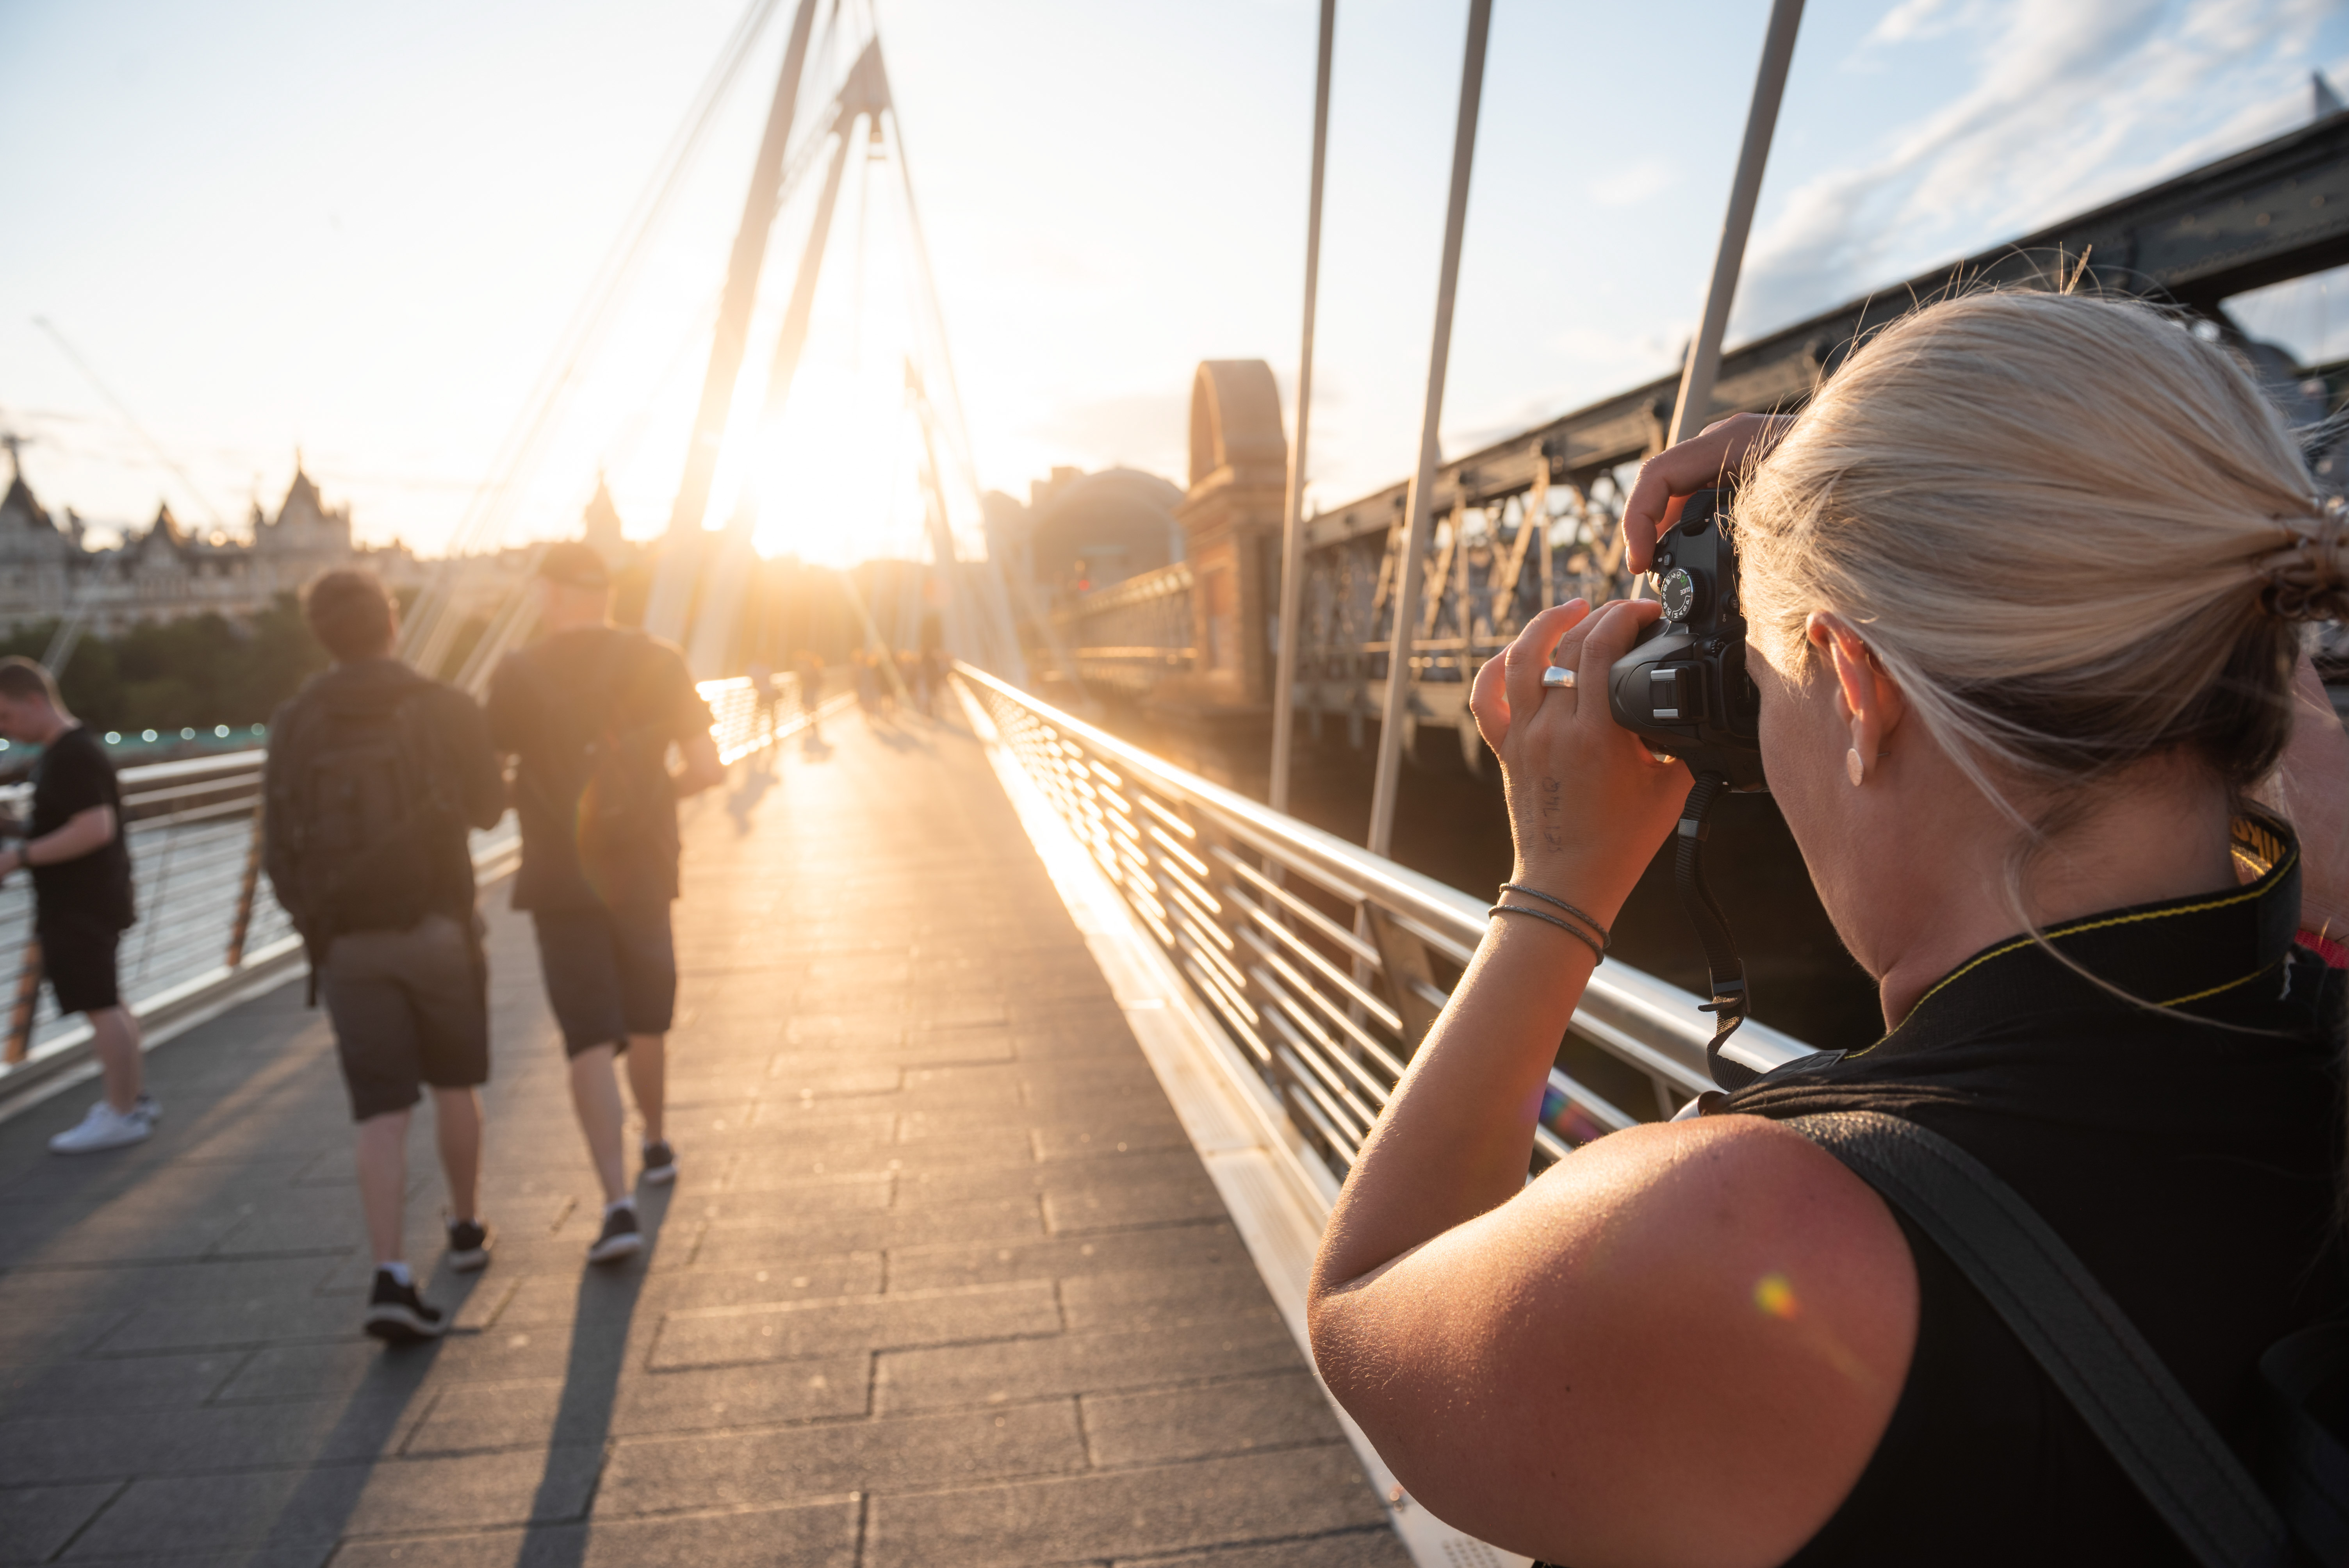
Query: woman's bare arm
(1587, 807)
(1679, 1346)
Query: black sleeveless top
(2193, 1166)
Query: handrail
(1326, 963)
(741, 722)
(210, 930)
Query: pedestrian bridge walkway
(943, 1280)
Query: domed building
(1081, 533)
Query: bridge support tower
(1231, 521)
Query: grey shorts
(610, 972)
(410, 1007)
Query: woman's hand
(1588, 802)
(1702, 462)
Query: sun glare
(835, 481)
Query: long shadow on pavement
(603, 1317)
(320, 1507)
(742, 803)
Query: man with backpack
(591, 711)
(375, 774)
(81, 896)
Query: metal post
(28, 996)
(1408, 568)
(673, 580)
(1761, 120)
(712, 647)
(1536, 518)
(241, 926)
(1292, 527)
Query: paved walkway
(942, 1281)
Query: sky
(254, 227)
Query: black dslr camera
(1684, 688)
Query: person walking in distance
(81, 896)
(375, 773)
(763, 696)
(590, 713)
(809, 667)
(868, 685)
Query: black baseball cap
(574, 565)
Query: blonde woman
(2023, 584)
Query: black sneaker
(469, 1246)
(398, 1316)
(621, 1239)
(660, 1163)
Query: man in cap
(590, 713)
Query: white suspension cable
(424, 640)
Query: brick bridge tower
(1231, 521)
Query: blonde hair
(2075, 533)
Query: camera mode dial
(1676, 590)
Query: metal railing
(742, 724)
(1327, 964)
(210, 929)
(1133, 634)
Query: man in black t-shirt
(590, 712)
(81, 895)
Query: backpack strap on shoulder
(2306, 1465)
(2072, 1328)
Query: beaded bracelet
(1575, 932)
(1604, 939)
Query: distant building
(164, 573)
(481, 584)
(1081, 533)
(602, 524)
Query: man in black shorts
(81, 896)
(375, 774)
(591, 711)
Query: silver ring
(1559, 676)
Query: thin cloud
(2065, 94)
(1918, 19)
(1637, 182)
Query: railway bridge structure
(1530, 520)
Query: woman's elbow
(1334, 1328)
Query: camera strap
(2096, 1356)
(1725, 969)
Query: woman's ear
(1868, 699)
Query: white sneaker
(103, 1128)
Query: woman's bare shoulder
(1680, 1344)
